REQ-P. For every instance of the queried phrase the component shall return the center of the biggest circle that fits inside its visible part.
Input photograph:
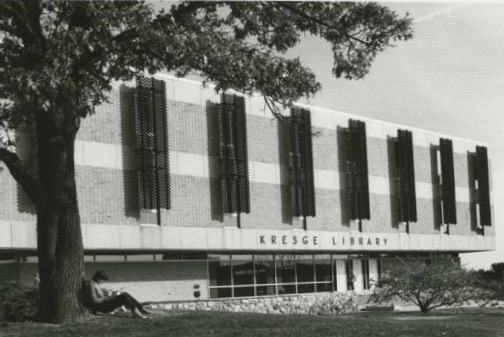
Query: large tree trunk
(59, 238)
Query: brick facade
(107, 181)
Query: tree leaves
(70, 52)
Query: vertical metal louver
(233, 151)
(448, 181)
(152, 144)
(406, 177)
(301, 148)
(483, 185)
(357, 170)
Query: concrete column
(341, 278)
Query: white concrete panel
(193, 238)
(265, 173)
(166, 237)
(404, 241)
(379, 185)
(326, 179)
(193, 165)
(171, 237)
(208, 95)
(100, 155)
(469, 146)
(458, 146)
(256, 107)
(173, 163)
(374, 130)
(187, 92)
(340, 120)
(423, 190)
(435, 241)
(23, 234)
(129, 236)
(151, 237)
(215, 238)
(389, 130)
(432, 139)
(231, 241)
(5, 234)
(102, 236)
(322, 119)
(420, 138)
(170, 92)
(462, 194)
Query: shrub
(17, 302)
(428, 286)
(333, 304)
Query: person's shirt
(96, 292)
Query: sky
(449, 78)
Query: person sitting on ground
(97, 300)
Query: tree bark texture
(59, 238)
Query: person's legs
(114, 302)
(137, 305)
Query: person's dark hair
(100, 275)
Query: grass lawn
(466, 323)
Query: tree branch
(320, 22)
(21, 174)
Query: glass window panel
(243, 272)
(220, 292)
(286, 289)
(304, 270)
(323, 270)
(265, 290)
(195, 256)
(324, 287)
(219, 257)
(306, 288)
(264, 269)
(172, 256)
(247, 257)
(286, 269)
(335, 276)
(350, 274)
(365, 275)
(243, 291)
(220, 273)
(118, 258)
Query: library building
(190, 195)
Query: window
(266, 274)
(152, 144)
(357, 171)
(350, 274)
(446, 201)
(233, 152)
(405, 187)
(301, 163)
(483, 191)
(366, 284)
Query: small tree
(441, 283)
